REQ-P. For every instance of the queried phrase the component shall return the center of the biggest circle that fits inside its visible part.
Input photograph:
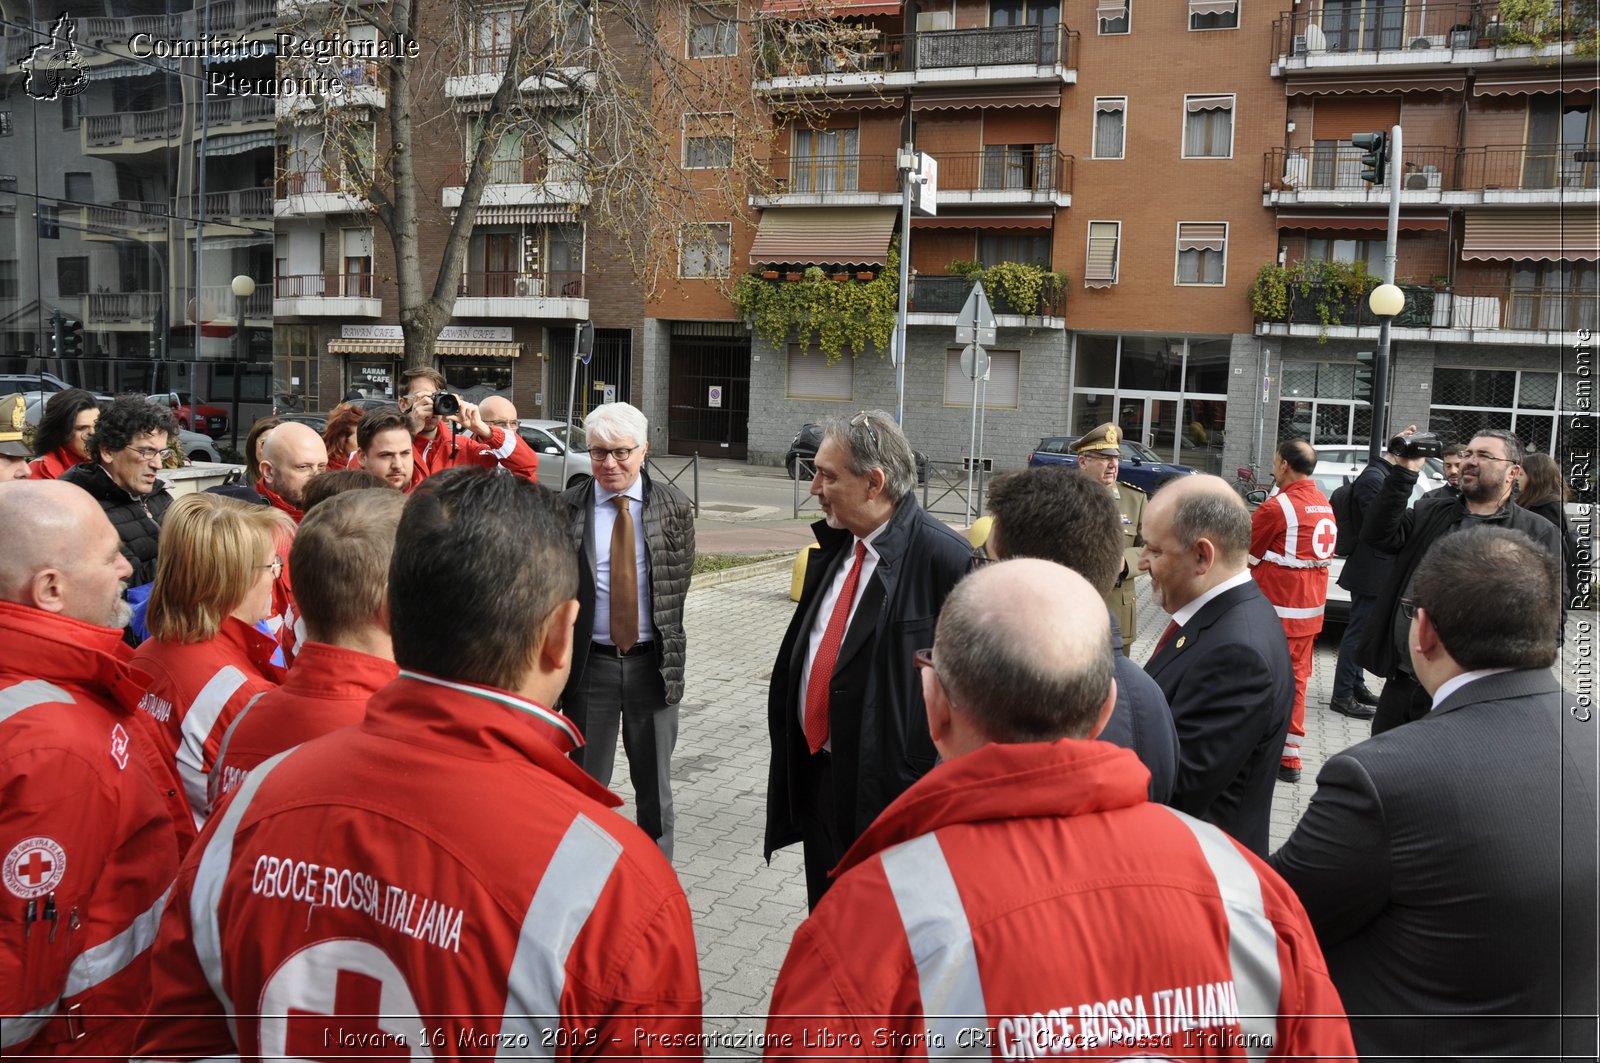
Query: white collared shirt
(1456, 682)
(1186, 614)
(819, 623)
(605, 519)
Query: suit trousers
(629, 692)
(1403, 700)
(1301, 655)
(1347, 672)
(818, 840)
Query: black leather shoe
(1365, 696)
(1350, 708)
(1288, 774)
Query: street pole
(907, 160)
(244, 286)
(572, 394)
(1378, 438)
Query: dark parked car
(1141, 466)
(804, 449)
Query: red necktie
(816, 719)
(1161, 643)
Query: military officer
(1100, 457)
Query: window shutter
(811, 377)
(1005, 380)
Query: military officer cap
(13, 415)
(1101, 437)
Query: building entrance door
(709, 397)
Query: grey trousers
(628, 693)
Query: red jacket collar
(59, 649)
(277, 501)
(481, 723)
(324, 671)
(253, 645)
(1068, 777)
(52, 465)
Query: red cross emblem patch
(34, 867)
(119, 747)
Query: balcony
(312, 193)
(244, 203)
(357, 86)
(109, 310)
(1514, 174)
(1497, 315)
(326, 295)
(522, 295)
(868, 59)
(532, 182)
(977, 178)
(141, 130)
(936, 300)
(1408, 36)
(218, 305)
(125, 218)
(486, 68)
(837, 181)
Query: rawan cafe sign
(468, 333)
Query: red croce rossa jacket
(442, 876)
(1292, 535)
(447, 450)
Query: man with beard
(291, 456)
(1488, 470)
(383, 447)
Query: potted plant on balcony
(769, 274)
(836, 317)
(792, 276)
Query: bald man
(953, 905)
(292, 454)
(88, 843)
(1223, 661)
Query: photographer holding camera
(1487, 473)
(428, 406)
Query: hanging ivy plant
(1331, 288)
(836, 316)
(1015, 287)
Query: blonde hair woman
(205, 656)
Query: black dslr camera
(446, 405)
(1422, 445)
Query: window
(1202, 252)
(1016, 166)
(1213, 14)
(49, 222)
(1109, 115)
(1100, 267)
(825, 160)
(811, 377)
(1317, 402)
(72, 276)
(356, 262)
(69, 111)
(1003, 387)
(1024, 12)
(1554, 295)
(1208, 127)
(1368, 252)
(1114, 16)
(7, 125)
(707, 141)
(8, 278)
(713, 30)
(80, 187)
(491, 41)
(1028, 250)
(705, 250)
(1468, 401)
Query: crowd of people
(318, 764)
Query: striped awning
(828, 8)
(1202, 236)
(237, 143)
(1510, 86)
(998, 99)
(1110, 9)
(441, 348)
(1548, 235)
(1208, 103)
(985, 221)
(1100, 268)
(817, 235)
(507, 215)
(1377, 222)
(829, 104)
(1377, 83)
(1213, 7)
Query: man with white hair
(88, 841)
(636, 544)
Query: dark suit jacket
(1142, 721)
(1448, 867)
(1367, 568)
(878, 724)
(1229, 680)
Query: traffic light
(55, 334)
(1375, 163)
(71, 333)
(1366, 373)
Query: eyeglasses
(1408, 607)
(617, 454)
(276, 566)
(509, 426)
(1483, 455)
(980, 557)
(924, 659)
(146, 454)
(863, 420)
(1098, 455)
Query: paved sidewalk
(745, 911)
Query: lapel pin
(1181, 640)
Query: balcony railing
(1505, 307)
(820, 175)
(128, 215)
(846, 51)
(1043, 170)
(240, 203)
(501, 284)
(324, 286)
(1414, 26)
(947, 295)
(218, 303)
(572, 50)
(113, 307)
(501, 172)
(316, 182)
(1513, 167)
(109, 130)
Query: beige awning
(1548, 235)
(1202, 236)
(1208, 103)
(819, 105)
(1100, 269)
(818, 235)
(998, 99)
(507, 215)
(1212, 7)
(1377, 83)
(829, 8)
(1511, 86)
(1110, 9)
(441, 348)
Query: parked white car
(548, 441)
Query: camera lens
(446, 405)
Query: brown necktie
(624, 580)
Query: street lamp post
(244, 286)
(1386, 301)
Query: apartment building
(131, 197)
(1499, 214)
